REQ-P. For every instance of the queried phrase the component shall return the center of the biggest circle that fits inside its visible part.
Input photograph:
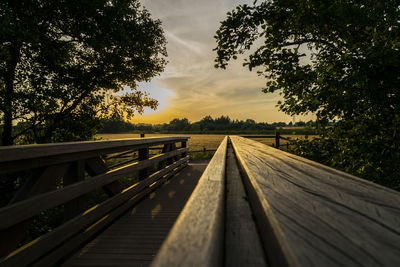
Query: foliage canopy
(62, 63)
(337, 59)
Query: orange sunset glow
(190, 87)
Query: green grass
(201, 155)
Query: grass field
(197, 142)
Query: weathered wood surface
(312, 215)
(35, 156)
(45, 190)
(134, 239)
(83, 237)
(258, 136)
(242, 244)
(129, 197)
(75, 174)
(197, 238)
(96, 166)
(38, 183)
(22, 210)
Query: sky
(190, 87)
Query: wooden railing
(306, 214)
(61, 175)
(278, 137)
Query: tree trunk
(7, 138)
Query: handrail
(58, 175)
(22, 210)
(196, 239)
(306, 214)
(13, 158)
(309, 214)
(277, 138)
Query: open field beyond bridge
(197, 141)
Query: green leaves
(69, 54)
(336, 59)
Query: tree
(179, 125)
(222, 123)
(63, 62)
(337, 59)
(207, 123)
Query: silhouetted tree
(337, 59)
(207, 123)
(179, 125)
(62, 62)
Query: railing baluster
(143, 155)
(277, 136)
(96, 166)
(170, 160)
(163, 163)
(183, 144)
(50, 164)
(75, 173)
(39, 182)
(175, 158)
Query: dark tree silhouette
(61, 63)
(337, 59)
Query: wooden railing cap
(11, 153)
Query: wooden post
(287, 145)
(75, 173)
(183, 145)
(39, 181)
(174, 158)
(277, 140)
(143, 155)
(96, 166)
(170, 160)
(142, 135)
(163, 163)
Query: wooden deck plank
(323, 216)
(135, 238)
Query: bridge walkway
(135, 238)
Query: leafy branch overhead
(336, 58)
(339, 60)
(60, 60)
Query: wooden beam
(22, 210)
(75, 173)
(197, 237)
(243, 246)
(277, 140)
(184, 144)
(163, 163)
(39, 182)
(96, 166)
(143, 155)
(31, 252)
(80, 239)
(258, 136)
(309, 214)
(170, 148)
(17, 158)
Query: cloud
(196, 88)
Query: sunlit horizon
(190, 87)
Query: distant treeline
(222, 124)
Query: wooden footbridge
(140, 202)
